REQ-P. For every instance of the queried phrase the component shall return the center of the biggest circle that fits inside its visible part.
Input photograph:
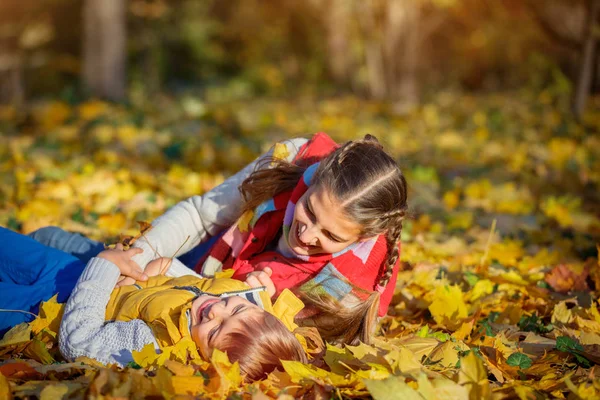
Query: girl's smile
(319, 225)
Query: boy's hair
(372, 192)
(260, 345)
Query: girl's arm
(199, 217)
(84, 331)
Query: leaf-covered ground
(498, 297)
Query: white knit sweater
(200, 217)
(83, 329)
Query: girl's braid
(392, 238)
(368, 139)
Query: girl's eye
(333, 238)
(311, 215)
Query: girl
(325, 218)
(107, 324)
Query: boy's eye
(212, 334)
(237, 309)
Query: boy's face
(213, 319)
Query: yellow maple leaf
(17, 334)
(112, 223)
(146, 357)
(474, 376)
(189, 385)
(280, 151)
(244, 221)
(465, 330)
(179, 369)
(482, 287)
(446, 354)
(562, 314)
(300, 372)
(230, 375)
(392, 388)
(49, 316)
(184, 350)
(403, 360)
(451, 199)
(448, 306)
(440, 388)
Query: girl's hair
(372, 192)
(365, 180)
(260, 344)
(340, 324)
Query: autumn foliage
(498, 293)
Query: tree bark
(586, 73)
(104, 51)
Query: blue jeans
(29, 274)
(84, 248)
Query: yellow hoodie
(162, 303)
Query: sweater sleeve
(200, 217)
(83, 329)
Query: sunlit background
(111, 111)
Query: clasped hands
(130, 270)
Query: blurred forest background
(111, 111)
(400, 51)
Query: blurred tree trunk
(394, 32)
(12, 87)
(585, 79)
(104, 51)
(571, 24)
(339, 59)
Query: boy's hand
(154, 267)
(122, 259)
(262, 278)
(158, 267)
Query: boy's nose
(215, 311)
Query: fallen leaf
(448, 307)
(49, 316)
(564, 278)
(18, 334)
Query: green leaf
(571, 346)
(519, 360)
(565, 343)
(471, 278)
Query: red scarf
(349, 275)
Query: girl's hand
(122, 259)
(262, 278)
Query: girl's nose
(309, 235)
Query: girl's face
(319, 226)
(213, 319)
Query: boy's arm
(84, 331)
(193, 221)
